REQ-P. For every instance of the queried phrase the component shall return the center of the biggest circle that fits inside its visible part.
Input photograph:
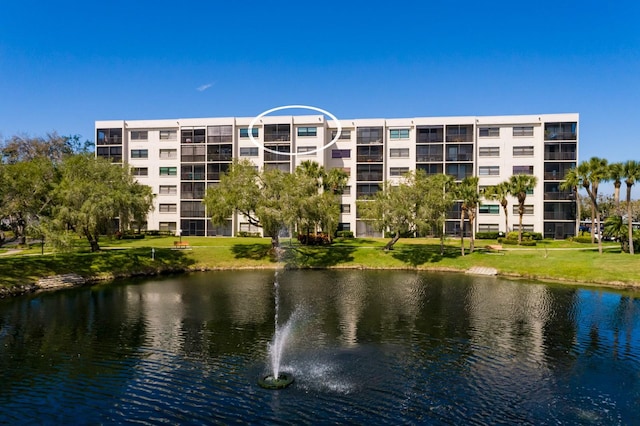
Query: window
(192, 135)
(168, 208)
(459, 171)
(345, 208)
(168, 171)
(459, 133)
(369, 172)
(430, 169)
(369, 135)
(429, 153)
(340, 153)
(192, 172)
(222, 152)
(249, 152)
(168, 189)
(192, 190)
(168, 135)
(216, 170)
(244, 132)
(307, 131)
(192, 153)
(399, 133)
(168, 227)
(430, 134)
(277, 132)
(522, 170)
(526, 228)
(398, 171)
(369, 154)
(344, 226)
(521, 131)
(399, 153)
(168, 153)
(139, 135)
(460, 152)
(488, 227)
(305, 149)
(489, 151)
(344, 134)
(192, 209)
(489, 209)
(560, 131)
(489, 170)
(140, 171)
(139, 153)
(109, 137)
(528, 209)
(216, 134)
(346, 190)
(522, 151)
(489, 132)
(367, 190)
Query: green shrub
(536, 236)
(488, 235)
(512, 242)
(314, 240)
(344, 234)
(247, 234)
(582, 239)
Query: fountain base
(270, 382)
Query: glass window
(168, 189)
(307, 131)
(489, 132)
(369, 135)
(345, 208)
(489, 151)
(193, 135)
(167, 226)
(140, 171)
(305, 149)
(399, 133)
(168, 208)
(139, 153)
(139, 135)
(522, 170)
(522, 151)
(489, 170)
(249, 152)
(489, 209)
(398, 171)
(168, 153)
(344, 134)
(219, 134)
(399, 153)
(528, 209)
(488, 227)
(168, 135)
(340, 153)
(244, 132)
(168, 171)
(520, 131)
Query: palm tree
(467, 192)
(597, 171)
(632, 175)
(520, 185)
(572, 181)
(500, 192)
(615, 228)
(616, 173)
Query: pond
(383, 347)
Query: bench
(494, 248)
(180, 244)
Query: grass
(549, 260)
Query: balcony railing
(192, 176)
(219, 157)
(110, 140)
(369, 176)
(559, 175)
(429, 158)
(377, 158)
(460, 157)
(559, 136)
(558, 216)
(560, 155)
(558, 195)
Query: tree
(520, 185)
(615, 228)
(394, 208)
(27, 193)
(92, 194)
(631, 173)
(467, 193)
(572, 182)
(593, 172)
(53, 146)
(436, 197)
(500, 192)
(616, 173)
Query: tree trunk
(462, 232)
(506, 219)
(275, 241)
(629, 221)
(577, 211)
(593, 220)
(472, 239)
(520, 214)
(389, 245)
(599, 233)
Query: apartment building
(180, 158)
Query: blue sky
(65, 64)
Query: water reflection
(389, 345)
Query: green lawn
(556, 260)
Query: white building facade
(180, 158)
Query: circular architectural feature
(270, 382)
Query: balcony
(220, 157)
(369, 176)
(560, 156)
(559, 136)
(460, 157)
(374, 158)
(559, 195)
(558, 216)
(429, 158)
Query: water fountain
(277, 379)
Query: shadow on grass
(253, 252)
(19, 270)
(419, 254)
(317, 257)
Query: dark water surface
(367, 347)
